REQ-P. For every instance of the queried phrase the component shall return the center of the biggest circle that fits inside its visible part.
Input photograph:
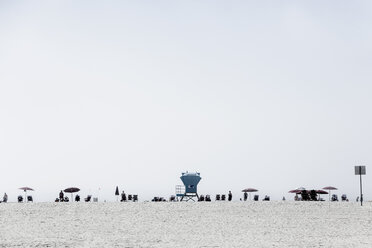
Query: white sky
(267, 94)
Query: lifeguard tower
(189, 189)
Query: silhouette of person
(229, 196)
(245, 196)
(123, 196)
(61, 195)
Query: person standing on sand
(5, 198)
(245, 196)
(61, 196)
(229, 196)
(123, 197)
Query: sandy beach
(215, 224)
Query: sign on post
(360, 170)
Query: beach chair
(123, 198)
(29, 198)
(20, 198)
(218, 197)
(344, 198)
(135, 198)
(208, 198)
(334, 197)
(223, 197)
(88, 198)
(172, 198)
(255, 197)
(130, 197)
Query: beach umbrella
(329, 188)
(25, 189)
(117, 193)
(72, 190)
(249, 190)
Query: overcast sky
(273, 95)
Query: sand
(213, 224)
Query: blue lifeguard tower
(189, 189)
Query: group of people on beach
(304, 195)
(63, 198)
(124, 197)
(312, 195)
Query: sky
(273, 95)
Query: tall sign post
(360, 170)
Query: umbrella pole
(329, 195)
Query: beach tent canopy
(321, 192)
(296, 191)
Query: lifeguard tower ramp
(189, 189)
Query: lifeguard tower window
(180, 190)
